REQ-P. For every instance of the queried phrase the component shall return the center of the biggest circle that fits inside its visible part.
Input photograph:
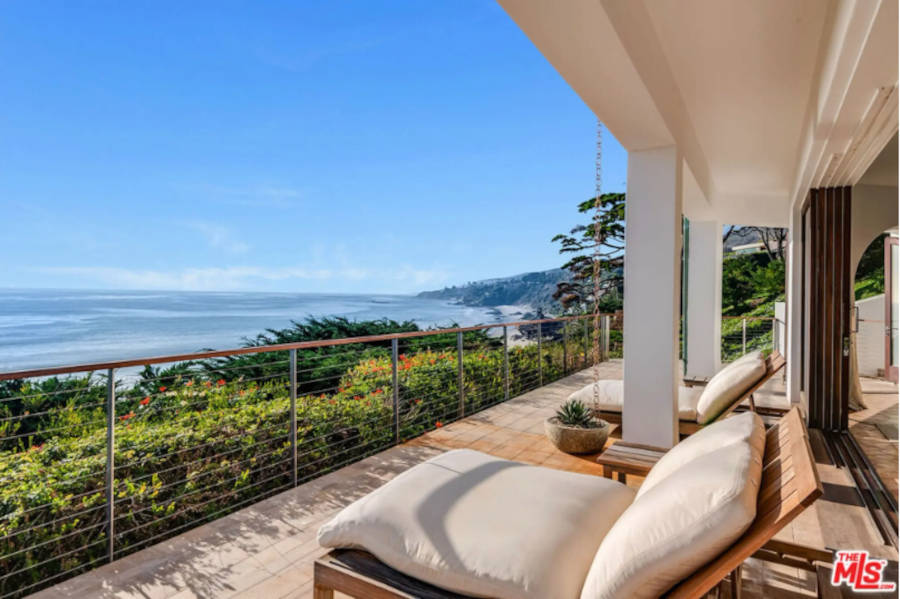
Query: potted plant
(574, 428)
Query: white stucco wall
(870, 338)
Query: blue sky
(298, 146)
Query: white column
(794, 294)
(704, 301)
(652, 296)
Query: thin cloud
(256, 196)
(236, 278)
(219, 237)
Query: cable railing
(97, 462)
(741, 334)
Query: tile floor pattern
(267, 550)
(875, 428)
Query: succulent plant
(576, 413)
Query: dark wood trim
(829, 303)
(890, 372)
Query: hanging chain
(598, 239)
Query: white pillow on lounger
(485, 527)
(682, 522)
(728, 384)
(612, 392)
(742, 428)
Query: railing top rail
(748, 317)
(38, 372)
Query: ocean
(41, 328)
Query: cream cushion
(678, 525)
(741, 428)
(729, 384)
(485, 527)
(612, 396)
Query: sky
(333, 146)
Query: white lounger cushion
(728, 384)
(485, 527)
(679, 524)
(747, 427)
(612, 395)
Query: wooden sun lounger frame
(790, 484)
(774, 362)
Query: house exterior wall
(870, 338)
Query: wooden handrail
(38, 372)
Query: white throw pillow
(612, 393)
(728, 384)
(741, 428)
(677, 526)
(485, 527)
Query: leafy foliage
(192, 445)
(580, 243)
(576, 413)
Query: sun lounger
(783, 485)
(690, 418)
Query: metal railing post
(110, 462)
(743, 336)
(587, 343)
(293, 375)
(774, 336)
(540, 358)
(459, 374)
(565, 349)
(505, 363)
(605, 338)
(395, 389)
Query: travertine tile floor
(267, 550)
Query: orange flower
(189, 383)
(145, 401)
(162, 389)
(242, 391)
(438, 424)
(208, 384)
(403, 357)
(220, 382)
(357, 397)
(332, 401)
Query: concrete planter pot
(573, 439)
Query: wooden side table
(624, 458)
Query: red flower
(322, 396)
(220, 382)
(438, 424)
(145, 401)
(340, 389)
(403, 357)
(357, 397)
(189, 383)
(162, 389)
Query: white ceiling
(759, 96)
(744, 70)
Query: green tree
(580, 244)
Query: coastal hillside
(534, 289)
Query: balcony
(213, 496)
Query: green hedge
(196, 448)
